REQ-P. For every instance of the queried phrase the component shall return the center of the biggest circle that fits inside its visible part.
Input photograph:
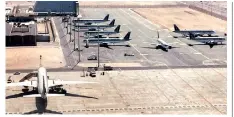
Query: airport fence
(209, 7)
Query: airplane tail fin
(176, 28)
(117, 29)
(112, 23)
(106, 18)
(127, 36)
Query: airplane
(116, 30)
(90, 21)
(195, 32)
(162, 44)
(44, 85)
(104, 41)
(211, 41)
(111, 24)
(88, 29)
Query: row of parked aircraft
(95, 33)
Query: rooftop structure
(55, 7)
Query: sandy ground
(41, 28)
(185, 18)
(14, 3)
(28, 58)
(125, 2)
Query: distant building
(25, 13)
(56, 8)
(18, 34)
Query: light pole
(98, 48)
(64, 20)
(74, 35)
(70, 28)
(79, 39)
(67, 23)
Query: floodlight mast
(74, 26)
(98, 48)
(70, 28)
(79, 40)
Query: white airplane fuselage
(42, 82)
(163, 44)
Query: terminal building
(27, 24)
(18, 34)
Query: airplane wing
(53, 83)
(25, 83)
(173, 43)
(48, 95)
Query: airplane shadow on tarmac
(41, 103)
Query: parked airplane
(195, 32)
(162, 44)
(111, 24)
(211, 41)
(116, 30)
(104, 41)
(43, 84)
(90, 21)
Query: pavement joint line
(68, 44)
(133, 17)
(144, 56)
(192, 49)
(157, 26)
(131, 108)
(195, 90)
(210, 83)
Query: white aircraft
(209, 40)
(43, 84)
(162, 44)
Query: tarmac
(164, 91)
(143, 33)
(169, 90)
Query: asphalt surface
(161, 91)
(161, 85)
(143, 33)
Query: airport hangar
(176, 90)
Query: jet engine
(169, 47)
(25, 90)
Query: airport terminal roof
(55, 6)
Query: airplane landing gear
(58, 90)
(25, 90)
